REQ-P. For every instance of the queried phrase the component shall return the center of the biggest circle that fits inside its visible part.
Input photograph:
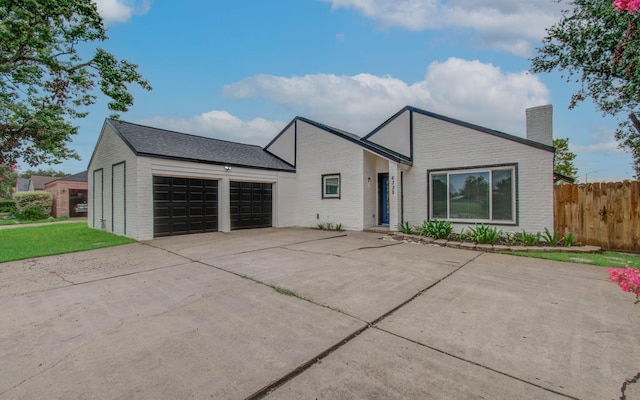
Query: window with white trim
(484, 194)
(331, 186)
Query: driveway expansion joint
(446, 353)
(315, 360)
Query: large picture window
(331, 186)
(481, 194)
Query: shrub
(406, 228)
(552, 239)
(568, 239)
(339, 227)
(30, 213)
(8, 206)
(436, 229)
(39, 200)
(320, 226)
(483, 234)
(528, 239)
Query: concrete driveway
(301, 313)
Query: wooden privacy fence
(599, 214)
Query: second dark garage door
(251, 205)
(183, 205)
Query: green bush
(30, 213)
(8, 206)
(528, 239)
(406, 228)
(483, 234)
(28, 202)
(436, 229)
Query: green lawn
(7, 221)
(37, 241)
(609, 259)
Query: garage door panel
(250, 205)
(184, 205)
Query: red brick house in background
(69, 195)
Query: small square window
(331, 186)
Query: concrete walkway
(300, 313)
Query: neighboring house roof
(562, 178)
(22, 185)
(38, 182)
(161, 143)
(79, 177)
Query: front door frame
(383, 198)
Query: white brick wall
(321, 152)
(439, 144)
(111, 150)
(139, 185)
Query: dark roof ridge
(181, 133)
(480, 128)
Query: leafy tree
(8, 178)
(41, 172)
(563, 161)
(598, 47)
(46, 81)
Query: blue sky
(242, 70)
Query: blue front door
(384, 199)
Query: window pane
(503, 195)
(469, 195)
(439, 192)
(331, 186)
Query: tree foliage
(47, 81)
(8, 178)
(28, 173)
(563, 161)
(598, 47)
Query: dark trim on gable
(295, 143)
(482, 129)
(129, 145)
(380, 150)
(385, 123)
(286, 128)
(411, 134)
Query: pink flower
(627, 278)
(630, 6)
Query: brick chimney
(540, 124)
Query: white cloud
(221, 125)
(602, 142)
(503, 24)
(468, 90)
(113, 11)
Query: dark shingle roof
(79, 177)
(38, 181)
(161, 143)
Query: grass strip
(38, 241)
(610, 259)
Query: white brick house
(146, 182)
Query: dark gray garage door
(251, 205)
(183, 205)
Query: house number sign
(393, 184)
